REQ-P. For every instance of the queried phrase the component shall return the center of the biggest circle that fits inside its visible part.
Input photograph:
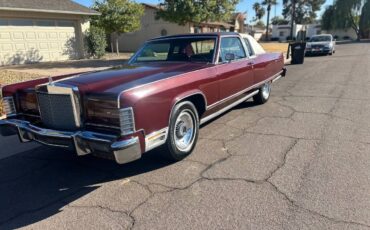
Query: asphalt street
(301, 161)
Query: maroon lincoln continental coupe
(159, 98)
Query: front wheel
(263, 95)
(183, 131)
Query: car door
(261, 63)
(236, 75)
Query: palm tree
(259, 11)
(268, 3)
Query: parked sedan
(321, 44)
(168, 89)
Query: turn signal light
(127, 121)
(8, 106)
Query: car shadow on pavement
(37, 184)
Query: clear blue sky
(243, 6)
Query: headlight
(328, 45)
(102, 113)
(28, 103)
(8, 107)
(127, 122)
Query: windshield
(320, 39)
(178, 49)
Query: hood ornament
(51, 82)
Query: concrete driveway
(301, 161)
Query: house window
(45, 23)
(281, 34)
(3, 22)
(20, 22)
(197, 30)
(66, 23)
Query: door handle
(250, 63)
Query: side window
(154, 52)
(231, 45)
(249, 47)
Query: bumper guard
(82, 142)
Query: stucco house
(151, 28)
(41, 30)
(282, 32)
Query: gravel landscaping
(9, 77)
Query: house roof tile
(50, 6)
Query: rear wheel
(183, 131)
(264, 94)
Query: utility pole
(292, 19)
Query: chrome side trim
(243, 91)
(278, 78)
(210, 117)
(156, 139)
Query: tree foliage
(260, 24)
(95, 41)
(269, 4)
(279, 21)
(117, 16)
(327, 19)
(184, 11)
(259, 11)
(344, 14)
(305, 10)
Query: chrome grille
(56, 111)
(318, 46)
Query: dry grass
(275, 47)
(9, 77)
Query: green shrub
(95, 42)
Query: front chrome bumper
(82, 142)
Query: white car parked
(321, 44)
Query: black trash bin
(297, 50)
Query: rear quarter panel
(267, 65)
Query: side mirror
(229, 57)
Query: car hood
(117, 79)
(318, 43)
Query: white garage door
(28, 41)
